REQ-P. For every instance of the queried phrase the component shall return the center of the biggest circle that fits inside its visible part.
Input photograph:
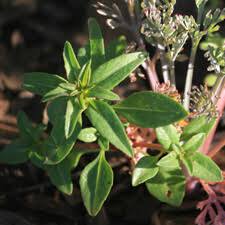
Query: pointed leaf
(58, 146)
(145, 169)
(105, 120)
(57, 109)
(168, 187)
(84, 54)
(96, 182)
(72, 66)
(150, 109)
(60, 176)
(42, 83)
(64, 111)
(198, 125)
(169, 162)
(167, 136)
(102, 93)
(111, 73)
(57, 149)
(193, 144)
(200, 2)
(85, 74)
(73, 112)
(68, 86)
(54, 93)
(97, 48)
(205, 168)
(188, 164)
(15, 153)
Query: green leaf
(60, 176)
(101, 93)
(54, 93)
(85, 74)
(103, 143)
(72, 66)
(57, 149)
(188, 164)
(15, 153)
(37, 158)
(84, 54)
(167, 136)
(105, 120)
(205, 168)
(116, 48)
(168, 186)
(145, 169)
(27, 131)
(74, 157)
(97, 48)
(169, 162)
(88, 135)
(200, 2)
(68, 86)
(193, 144)
(25, 126)
(198, 125)
(96, 182)
(72, 160)
(42, 83)
(73, 112)
(150, 109)
(64, 111)
(58, 146)
(57, 110)
(111, 73)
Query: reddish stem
(147, 145)
(220, 106)
(150, 70)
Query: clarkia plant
(181, 124)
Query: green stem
(164, 63)
(189, 77)
(172, 73)
(190, 72)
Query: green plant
(168, 33)
(87, 91)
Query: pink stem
(220, 106)
(150, 70)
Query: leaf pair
(91, 77)
(163, 177)
(187, 147)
